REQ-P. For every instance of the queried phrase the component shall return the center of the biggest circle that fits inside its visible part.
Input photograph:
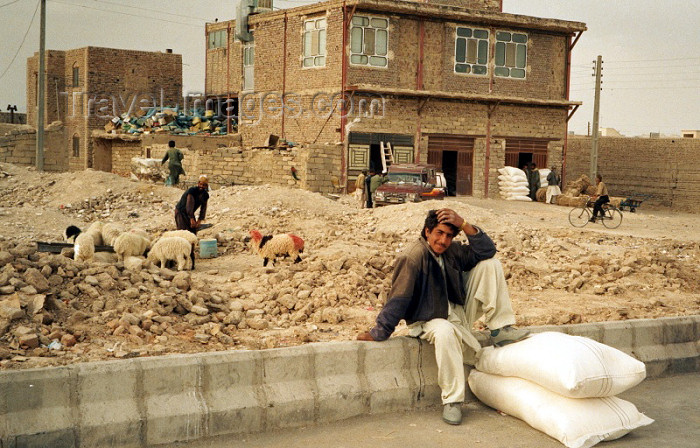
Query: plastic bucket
(207, 248)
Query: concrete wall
(667, 168)
(163, 400)
(19, 147)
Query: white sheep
(130, 244)
(172, 248)
(84, 247)
(110, 232)
(186, 234)
(269, 247)
(95, 230)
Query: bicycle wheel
(579, 216)
(612, 218)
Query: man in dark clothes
(174, 157)
(194, 198)
(368, 181)
(533, 180)
(441, 288)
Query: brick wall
(667, 168)
(16, 118)
(110, 82)
(489, 5)
(19, 147)
(223, 65)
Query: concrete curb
(163, 400)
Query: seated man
(430, 280)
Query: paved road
(674, 402)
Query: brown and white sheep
(269, 247)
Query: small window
(217, 39)
(369, 41)
(248, 66)
(471, 51)
(511, 54)
(76, 145)
(76, 76)
(315, 43)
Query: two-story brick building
(464, 85)
(86, 87)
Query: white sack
(516, 191)
(575, 422)
(511, 171)
(572, 366)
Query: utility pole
(596, 113)
(41, 95)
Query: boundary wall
(157, 401)
(668, 169)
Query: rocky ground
(55, 311)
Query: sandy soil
(557, 274)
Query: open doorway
(449, 167)
(375, 158)
(523, 159)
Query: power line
(150, 10)
(126, 14)
(23, 39)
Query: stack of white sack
(544, 172)
(563, 386)
(513, 184)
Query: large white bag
(572, 366)
(575, 422)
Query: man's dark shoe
(508, 335)
(452, 413)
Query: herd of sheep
(176, 246)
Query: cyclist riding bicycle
(601, 195)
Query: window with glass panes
(315, 43)
(76, 146)
(471, 51)
(369, 41)
(217, 39)
(511, 54)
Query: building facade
(459, 84)
(87, 87)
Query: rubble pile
(167, 121)
(54, 310)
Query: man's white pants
(455, 345)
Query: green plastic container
(207, 248)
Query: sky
(650, 49)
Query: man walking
(174, 157)
(441, 287)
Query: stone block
(384, 368)
(619, 335)
(36, 401)
(338, 381)
(108, 404)
(289, 387)
(232, 392)
(679, 329)
(171, 391)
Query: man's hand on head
(365, 337)
(449, 216)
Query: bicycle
(581, 215)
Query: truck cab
(410, 183)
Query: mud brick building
(86, 87)
(456, 83)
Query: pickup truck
(410, 183)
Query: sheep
(95, 230)
(84, 248)
(172, 248)
(186, 234)
(110, 232)
(269, 247)
(130, 244)
(70, 234)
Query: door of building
(453, 155)
(522, 150)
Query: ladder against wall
(387, 155)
